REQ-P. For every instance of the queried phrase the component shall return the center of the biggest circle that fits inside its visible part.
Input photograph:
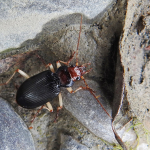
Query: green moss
(9, 50)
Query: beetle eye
(78, 78)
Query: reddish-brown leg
(46, 65)
(42, 60)
(48, 107)
(68, 62)
(78, 42)
(35, 116)
(91, 91)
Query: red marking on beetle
(74, 72)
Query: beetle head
(77, 71)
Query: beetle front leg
(51, 67)
(66, 63)
(91, 91)
(81, 87)
(19, 71)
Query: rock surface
(68, 143)
(135, 58)
(83, 106)
(136, 62)
(99, 44)
(22, 20)
(14, 134)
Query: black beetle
(45, 86)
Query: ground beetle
(45, 86)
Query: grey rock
(22, 20)
(68, 143)
(83, 106)
(14, 134)
(57, 40)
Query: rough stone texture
(14, 134)
(56, 41)
(135, 59)
(22, 20)
(99, 44)
(68, 143)
(89, 112)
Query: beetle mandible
(39, 89)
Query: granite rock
(68, 143)
(22, 20)
(14, 132)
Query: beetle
(42, 88)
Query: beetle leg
(60, 102)
(19, 71)
(42, 60)
(51, 67)
(58, 64)
(68, 62)
(49, 107)
(81, 87)
(37, 113)
(48, 65)
(91, 91)
(60, 106)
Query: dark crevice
(141, 77)
(110, 69)
(140, 24)
(130, 82)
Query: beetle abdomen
(38, 90)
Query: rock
(14, 133)
(83, 106)
(68, 143)
(135, 58)
(58, 38)
(23, 20)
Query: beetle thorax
(64, 76)
(76, 72)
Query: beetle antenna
(78, 42)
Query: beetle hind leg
(19, 71)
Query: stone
(135, 59)
(22, 20)
(99, 44)
(83, 106)
(14, 132)
(68, 143)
